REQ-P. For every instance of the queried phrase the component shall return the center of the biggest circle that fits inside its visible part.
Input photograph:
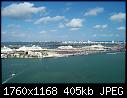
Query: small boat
(12, 75)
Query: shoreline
(67, 55)
(61, 51)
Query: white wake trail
(11, 77)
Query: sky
(63, 21)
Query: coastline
(68, 55)
(36, 51)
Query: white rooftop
(65, 47)
(6, 49)
(98, 46)
(24, 48)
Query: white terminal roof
(97, 46)
(65, 47)
(24, 48)
(6, 49)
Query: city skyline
(63, 21)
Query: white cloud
(104, 26)
(117, 35)
(121, 28)
(118, 17)
(13, 26)
(53, 30)
(14, 34)
(68, 4)
(28, 20)
(73, 29)
(43, 32)
(4, 32)
(106, 35)
(47, 31)
(102, 35)
(94, 35)
(94, 12)
(49, 19)
(18, 35)
(75, 23)
(66, 9)
(101, 27)
(21, 10)
(97, 26)
(61, 25)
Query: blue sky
(63, 21)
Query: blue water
(93, 68)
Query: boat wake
(7, 80)
(12, 76)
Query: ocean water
(93, 68)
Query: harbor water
(92, 68)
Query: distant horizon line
(67, 41)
